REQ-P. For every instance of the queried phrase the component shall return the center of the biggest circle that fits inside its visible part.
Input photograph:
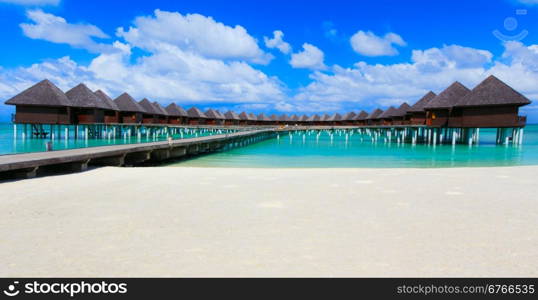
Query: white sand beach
(176, 221)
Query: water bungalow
(360, 118)
(348, 118)
(231, 118)
(492, 103)
(386, 116)
(112, 114)
(214, 117)
(162, 114)
(196, 116)
(283, 119)
(416, 113)
(303, 120)
(42, 103)
(254, 119)
(130, 111)
(314, 120)
(176, 114)
(263, 119)
(400, 116)
(274, 119)
(150, 114)
(335, 119)
(373, 118)
(86, 108)
(244, 119)
(438, 109)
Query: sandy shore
(172, 221)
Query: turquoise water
(20, 144)
(295, 152)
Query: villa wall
(42, 115)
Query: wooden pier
(28, 165)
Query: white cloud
(31, 2)
(528, 2)
(277, 42)
(55, 29)
(369, 44)
(193, 33)
(310, 58)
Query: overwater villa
(196, 116)
(416, 113)
(130, 111)
(438, 109)
(176, 114)
(492, 103)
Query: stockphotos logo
(12, 290)
(65, 288)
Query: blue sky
(278, 56)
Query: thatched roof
(263, 117)
(294, 118)
(493, 91)
(161, 111)
(349, 116)
(419, 105)
(176, 110)
(253, 117)
(82, 96)
(126, 103)
(402, 110)
(335, 117)
(361, 116)
(274, 117)
(325, 117)
(389, 113)
(303, 118)
(283, 117)
(314, 118)
(43, 93)
(447, 98)
(107, 100)
(213, 114)
(194, 112)
(244, 116)
(375, 114)
(148, 107)
(231, 115)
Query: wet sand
(173, 221)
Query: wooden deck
(26, 164)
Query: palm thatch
(335, 117)
(402, 110)
(194, 112)
(283, 118)
(419, 105)
(492, 91)
(361, 116)
(387, 114)
(449, 97)
(107, 100)
(263, 117)
(148, 107)
(349, 116)
(126, 103)
(303, 118)
(231, 115)
(274, 117)
(161, 111)
(213, 114)
(175, 110)
(314, 118)
(81, 96)
(375, 114)
(43, 93)
(244, 116)
(252, 117)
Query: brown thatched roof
(447, 98)
(148, 107)
(107, 100)
(126, 103)
(303, 118)
(387, 114)
(176, 110)
(194, 112)
(161, 111)
(244, 116)
(294, 118)
(213, 114)
(349, 116)
(335, 117)
(314, 118)
(402, 110)
(375, 114)
(493, 91)
(231, 115)
(325, 117)
(274, 117)
(253, 117)
(361, 116)
(263, 117)
(284, 117)
(43, 93)
(419, 105)
(82, 96)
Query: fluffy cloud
(369, 44)
(55, 29)
(32, 2)
(310, 58)
(277, 42)
(193, 33)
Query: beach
(234, 222)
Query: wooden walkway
(26, 164)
